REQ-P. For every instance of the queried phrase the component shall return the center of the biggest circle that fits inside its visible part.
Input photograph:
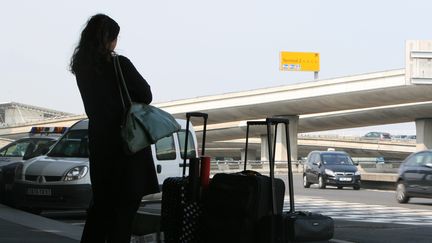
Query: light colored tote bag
(142, 124)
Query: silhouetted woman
(118, 180)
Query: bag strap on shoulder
(121, 83)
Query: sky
(191, 48)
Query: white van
(60, 179)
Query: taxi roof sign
(299, 61)
(47, 130)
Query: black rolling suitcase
(236, 202)
(292, 226)
(181, 203)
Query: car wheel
(356, 187)
(340, 187)
(306, 184)
(321, 183)
(401, 196)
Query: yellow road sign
(299, 61)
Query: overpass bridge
(354, 101)
(346, 102)
(356, 146)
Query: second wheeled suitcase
(181, 203)
(292, 226)
(236, 202)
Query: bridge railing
(355, 138)
(297, 166)
(257, 165)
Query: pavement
(21, 227)
(18, 226)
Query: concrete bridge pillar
(281, 153)
(251, 155)
(424, 134)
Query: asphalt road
(366, 196)
(357, 213)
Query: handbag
(142, 124)
(308, 226)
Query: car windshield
(336, 159)
(25, 146)
(73, 144)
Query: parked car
(377, 135)
(415, 177)
(400, 137)
(38, 140)
(37, 143)
(61, 180)
(333, 168)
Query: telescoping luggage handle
(272, 151)
(285, 121)
(188, 117)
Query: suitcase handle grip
(277, 120)
(250, 173)
(197, 114)
(269, 120)
(256, 123)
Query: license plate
(39, 191)
(345, 179)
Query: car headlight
(76, 173)
(329, 172)
(357, 173)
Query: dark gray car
(334, 168)
(415, 177)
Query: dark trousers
(110, 220)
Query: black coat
(111, 170)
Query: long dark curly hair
(93, 49)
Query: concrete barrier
(372, 167)
(384, 181)
(371, 172)
(389, 177)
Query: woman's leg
(95, 226)
(124, 214)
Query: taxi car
(37, 142)
(334, 168)
(61, 179)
